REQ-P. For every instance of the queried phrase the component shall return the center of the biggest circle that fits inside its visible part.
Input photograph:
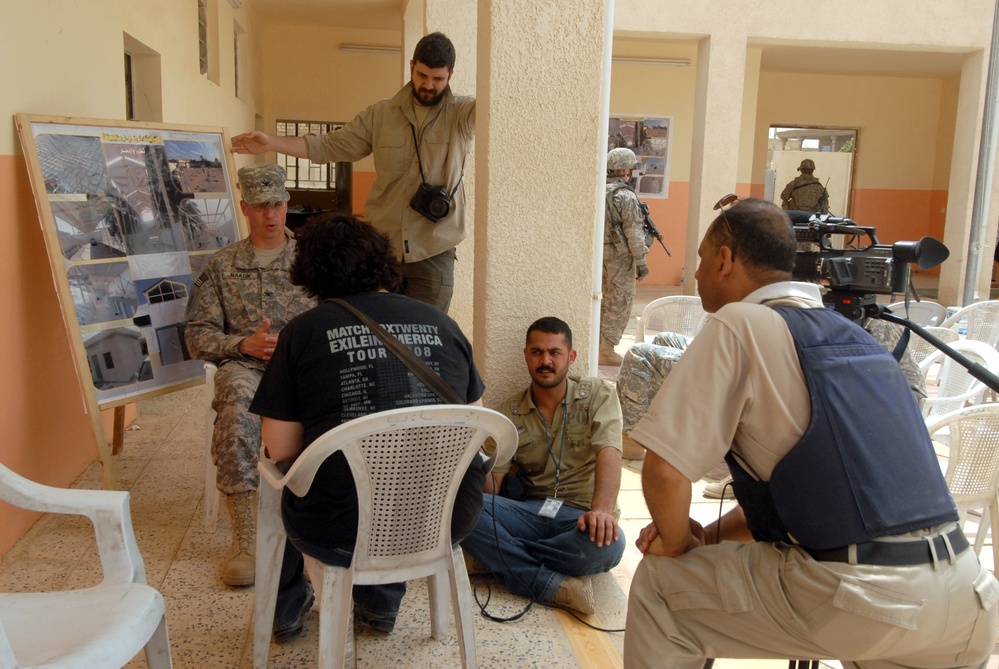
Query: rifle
(650, 228)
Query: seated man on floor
(554, 523)
(238, 306)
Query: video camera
(854, 273)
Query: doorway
(833, 149)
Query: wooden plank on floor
(592, 648)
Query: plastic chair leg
(270, 554)
(212, 494)
(438, 591)
(336, 608)
(461, 596)
(158, 648)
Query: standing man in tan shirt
(419, 140)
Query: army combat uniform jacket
(230, 300)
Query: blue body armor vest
(865, 466)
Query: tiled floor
(210, 624)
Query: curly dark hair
(435, 50)
(337, 256)
(758, 232)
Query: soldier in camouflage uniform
(238, 306)
(805, 192)
(624, 253)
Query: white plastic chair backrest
(407, 465)
(674, 313)
(920, 348)
(108, 511)
(924, 312)
(955, 385)
(123, 614)
(973, 463)
(983, 321)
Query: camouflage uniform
(646, 366)
(624, 250)
(231, 298)
(643, 370)
(805, 193)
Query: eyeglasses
(727, 202)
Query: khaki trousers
(762, 600)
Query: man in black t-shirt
(328, 368)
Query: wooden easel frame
(129, 212)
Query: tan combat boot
(607, 355)
(240, 567)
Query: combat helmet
(621, 159)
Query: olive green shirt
(593, 423)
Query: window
(166, 291)
(108, 360)
(129, 89)
(203, 35)
(302, 173)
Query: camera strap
(419, 163)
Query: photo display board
(130, 213)
(651, 139)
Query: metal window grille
(303, 173)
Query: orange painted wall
(670, 216)
(901, 215)
(47, 435)
(360, 188)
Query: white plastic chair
(973, 466)
(103, 626)
(983, 321)
(924, 312)
(674, 313)
(212, 494)
(921, 349)
(407, 465)
(955, 386)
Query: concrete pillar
(540, 152)
(961, 189)
(714, 158)
(456, 19)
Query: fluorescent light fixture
(363, 48)
(673, 62)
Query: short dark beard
(418, 100)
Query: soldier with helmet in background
(805, 192)
(624, 252)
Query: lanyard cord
(419, 162)
(548, 441)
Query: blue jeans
(531, 555)
(374, 605)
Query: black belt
(897, 553)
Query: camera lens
(438, 206)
